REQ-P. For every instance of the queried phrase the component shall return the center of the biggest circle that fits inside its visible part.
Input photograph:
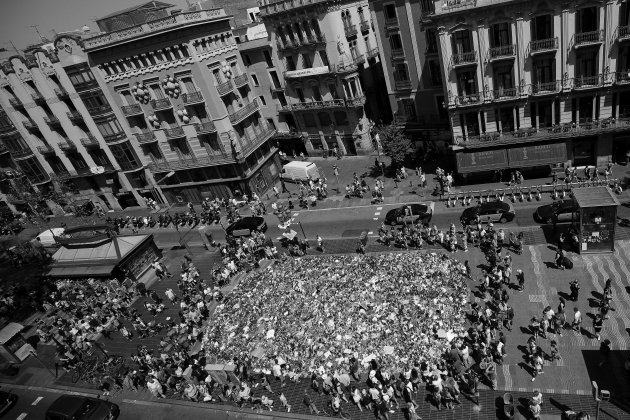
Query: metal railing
(254, 143)
(542, 45)
(355, 102)
(544, 88)
(174, 133)
(132, 109)
(506, 93)
(391, 22)
(187, 163)
(590, 37)
(456, 4)
(89, 141)
(30, 125)
(582, 82)
(301, 106)
(502, 51)
(45, 150)
(465, 58)
(89, 84)
(205, 127)
(241, 113)
(623, 33)
(112, 138)
(240, 80)
(145, 137)
(21, 153)
(61, 92)
(364, 25)
(99, 110)
(37, 97)
(67, 145)
(225, 87)
(51, 120)
(622, 77)
(160, 103)
(372, 53)
(193, 97)
(469, 99)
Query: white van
(299, 171)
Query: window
(275, 80)
(300, 94)
(217, 76)
(80, 75)
(542, 27)
(317, 96)
(127, 97)
(587, 64)
(77, 161)
(368, 44)
(341, 118)
(395, 42)
(309, 120)
(466, 83)
(462, 42)
(354, 53)
(400, 72)
(586, 20)
(124, 155)
(431, 37)
(99, 157)
(503, 77)
(95, 100)
(361, 16)
(333, 91)
(109, 128)
(189, 85)
(501, 34)
(390, 11)
(306, 60)
(262, 100)
(436, 75)
(255, 80)
(267, 56)
(290, 64)
(324, 57)
(544, 70)
(156, 91)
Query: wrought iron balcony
(311, 40)
(22, 153)
(467, 100)
(190, 162)
(3, 149)
(283, 108)
(205, 127)
(67, 145)
(87, 85)
(587, 82)
(240, 114)
(588, 38)
(31, 126)
(540, 46)
(402, 84)
(161, 103)
(398, 53)
(74, 116)
(16, 103)
(90, 142)
(502, 52)
(622, 33)
(305, 106)
(38, 98)
(192, 98)
(52, 120)
(346, 67)
(464, 59)
(356, 102)
(622, 78)
(359, 59)
(225, 87)
(255, 143)
(506, 94)
(545, 88)
(116, 137)
(145, 137)
(350, 29)
(365, 25)
(133, 109)
(372, 53)
(46, 150)
(174, 133)
(7, 129)
(240, 80)
(391, 23)
(99, 110)
(456, 4)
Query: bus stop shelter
(598, 219)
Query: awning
(85, 271)
(481, 161)
(9, 331)
(543, 154)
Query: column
(499, 123)
(481, 130)
(465, 126)
(595, 99)
(553, 111)
(536, 111)
(515, 114)
(446, 52)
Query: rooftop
(443, 7)
(595, 197)
(269, 7)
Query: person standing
(320, 243)
(604, 350)
(160, 270)
(155, 387)
(598, 323)
(276, 192)
(577, 319)
(575, 290)
(171, 296)
(520, 276)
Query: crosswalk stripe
(621, 312)
(539, 278)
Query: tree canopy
(396, 145)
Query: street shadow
(593, 303)
(611, 376)
(586, 333)
(523, 407)
(597, 295)
(564, 295)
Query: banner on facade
(306, 72)
(481, 161)
(543, 154)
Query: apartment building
(327, 55)
(533, 85)
(177, 79)
(52, 132)
(413, 72)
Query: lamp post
(336, 172)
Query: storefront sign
(481, 161)
(306, 72)
(543, 154)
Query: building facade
(329, 84)
(533, 85)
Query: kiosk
(13, 346)
(598, 219)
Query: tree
(395, 144)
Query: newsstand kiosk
(598, 219)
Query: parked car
(7, 400)
(76, 407)
(557, 212)
(410, 213)
(246, 225)
(494, 211)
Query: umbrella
(290, 235)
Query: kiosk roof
(595, 197)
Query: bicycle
(84, 368)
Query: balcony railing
(240, 114)
(192, 98)
(16, 103)
(303, 106)
(174, 133)
(74, 116)
(99, 110)
(544, 88)
(558, 131)
(30, 125)
(365, 25)
(623, 33)
(161, 103)
(87, 85)
(17, 154)
(372, 53)
(356, 102)
(45, 150)
(310, 41)
(255, 143)
(145, 137)
(90, 142)
(350, 29)
(133, 109)
(622, 77)
(113, 138)
(501, 52)
(469, 99)
(188, 163)
(543, 45)
(240, 80)
(225, 87)
(51, 120)
(456, 4)
(67, 145)
(506, 94)
(585, 82)
(61, 92)
(465, 59)
(402, 84)
(398, 53)
(588, 38)
(205, 127)
(391, 22)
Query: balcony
(116, 137)
(464, 59)
(349, 67)
(16, 103)
(391, 23)
(46, 150)
(283, 108)
(190, 162)
(255, 143)
(457, 4)
(398, 53)
(502, 52)
(133, 109)
(192, 98)
(67, 146)
(558, 131)
(90, 142)
(22, 153)
(87, 85)
(622, 78)
(74, 116)
(357, 102)
(205, 127)
(240, 80)
(545, 88)
(225, 88)
(99, 110)
(38, 98)
(145, 137)
(241, 113)
(311, 40)
(364, 25)
(372, 53)
(52, 120)
(31, 126)
(467, 100)
(402, 85)
(584, 39)
(542, 46)
(506, 94)
(61, 92)
(622, 33)
(587, 82)
(350, 30)
(161, 103)
(305, 106)
(174, 133)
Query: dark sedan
(494, 211)
(7, 400)
(559, 211)
(246, 225)
(410, 213)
